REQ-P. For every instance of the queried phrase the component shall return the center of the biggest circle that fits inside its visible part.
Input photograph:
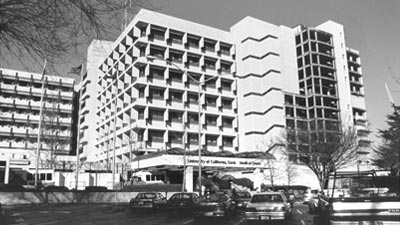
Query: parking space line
(240, 221)
(189, 221)
(302, 222)
(299, 211)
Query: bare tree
(274, 171)
(325, 151)
(54, 29)
(53, 136)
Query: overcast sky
(371, 27)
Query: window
(225, 67)
(157, 52)
(193, 118)
(156, 136)
(226, 103)
(211, 83)
(156, 115)
(156, 94)
(175, 37)
(156, 73)
(175, 138)
(193, 60)
(157, 33)
(175, 56)
(141, 92)
(209, 64)
(175, 76)
(211, 101)
(227, 122)
(209, 45)
(193, 139)
(225, 49)
(192, 98)
(226, 85)
(227, 141)
(175, 96)
(211, 140)
(290, 124)
(211, 120)
(193, 41)
(175, 116)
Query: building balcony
(19, 130)
(9, 88)
(5, 144)
(67, 95)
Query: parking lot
(99, 214)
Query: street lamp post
(199, 84)
(40, 126)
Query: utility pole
(40, 126)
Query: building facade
(20, 105)
(165, 76)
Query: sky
(371, 27)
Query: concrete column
(7, 172)
(189, 179)
(258, 179)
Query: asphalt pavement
(121, 214)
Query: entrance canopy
(177, 158)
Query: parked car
(241, 198)
(182, 201)
(214, 205)
(55, 188)
(148, 200)
(96, 188)
(268, 206)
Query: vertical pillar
(7, 171)
(257, 180)
(189, 179)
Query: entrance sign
(167, 160)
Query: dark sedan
(184, 201)
(148, 200)
(241, 198)
(214, 205)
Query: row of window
(192, 59)
(312, 113)
(211, 140)
(37, 83)
(317, 35)
(192, 41)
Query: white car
(268, 206)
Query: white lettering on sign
(224, 162)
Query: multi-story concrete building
(97, 50)
(20, 104)
(256, 81)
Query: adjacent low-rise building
(22, 96)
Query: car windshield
(146, 195)
(359, 186)
(267, 198)
(243, 194)
(214, 198)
